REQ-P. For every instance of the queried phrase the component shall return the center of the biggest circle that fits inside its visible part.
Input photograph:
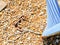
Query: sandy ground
(22, 22)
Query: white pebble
(2, 5)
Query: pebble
(2, 5)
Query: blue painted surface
(52, 31)
(53, 18)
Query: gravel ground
(22, 22)
(52, 40)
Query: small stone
(29, 38)
(2, 5)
